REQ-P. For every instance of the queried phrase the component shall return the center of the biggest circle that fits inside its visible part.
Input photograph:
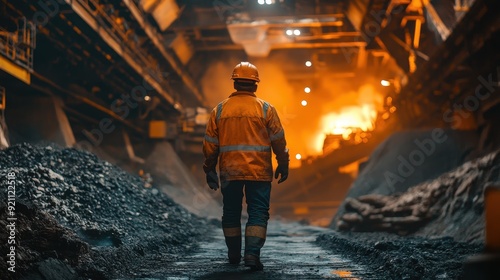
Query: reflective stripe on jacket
(241, 133)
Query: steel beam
(293, 45)
(155, 38)
(297, 45)
(117, 47)
(64, 125)
(362, 58)
(15, 70)
(442, 29)
(84, 100)
(130, 149)
(480, 24)
(298, 21)
(329, 36)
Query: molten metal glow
(354, 116)
(347, 121)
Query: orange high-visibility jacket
(241, 133)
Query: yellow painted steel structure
(15, 70)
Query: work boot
(255, 237)
(233, 243)
(253, 262)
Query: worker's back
(241, 134)
(244, 142)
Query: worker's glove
(283, 170)
(213, 180)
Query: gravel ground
(393, 257)
(290, 252)
(438, 248)
(83, 218)
(113, 221)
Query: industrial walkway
(289, 253)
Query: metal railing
(118, 28)
(19, 46)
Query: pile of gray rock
(99, 205)
(451, 205)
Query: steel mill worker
(240, 134)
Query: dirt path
(289, 253)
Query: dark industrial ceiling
(175, 31)
(101, 49)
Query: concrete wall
(3, 138)
(38, 119)
(172, 176)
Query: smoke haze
(305, 127)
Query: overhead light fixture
(308, 63)
(296, 32)
(147, 98)
(298, 156)
(289, 32)
(307, 89)
(269, 2)
(261, 2)
(304, 103)
(385, 83)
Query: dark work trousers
(257, 197)
(258, 194)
